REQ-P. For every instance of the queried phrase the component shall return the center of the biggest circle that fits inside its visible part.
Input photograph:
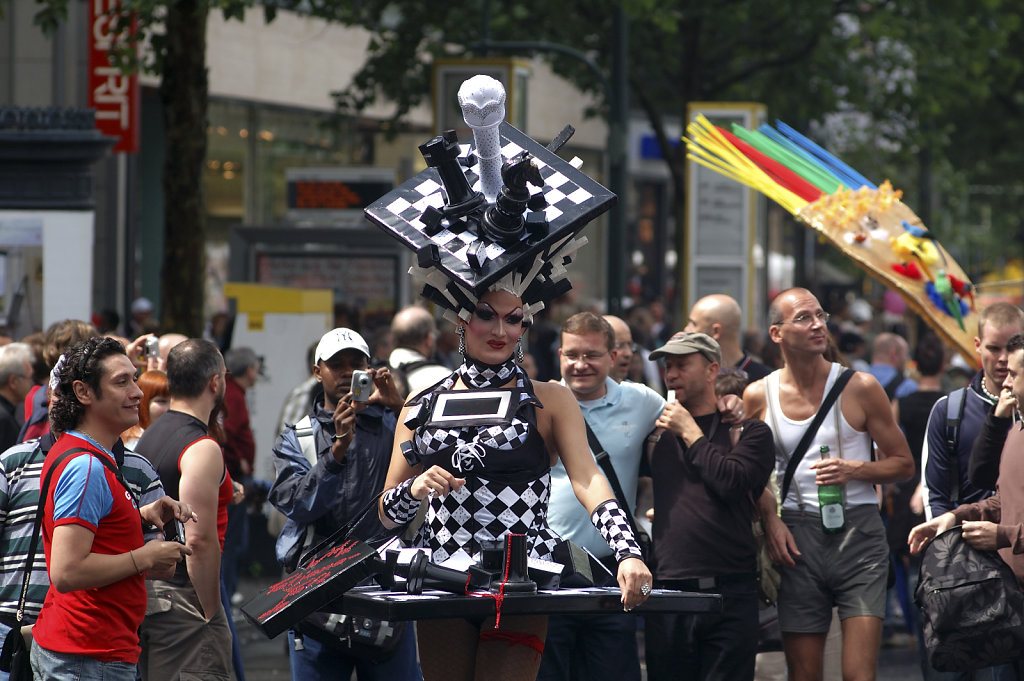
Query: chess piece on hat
(482, 99)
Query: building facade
(271, 118)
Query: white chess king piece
(482, 99)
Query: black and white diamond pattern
(485, 376)
(611, 521)
(399, 504)
(485, 510)
(511, 436)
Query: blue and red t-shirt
(100, 623)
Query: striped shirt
(20, 468)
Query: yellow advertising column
(279, 324)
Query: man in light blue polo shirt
(621, 415)
(889, 356)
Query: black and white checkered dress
(508, 480)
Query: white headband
(55, 374)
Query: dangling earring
(520, 355)
(461, 331)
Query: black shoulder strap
(117, 474)
(893, 384)
(605, 461)
(812, 429)
(410, 367)
(37, 526)
(954, 403)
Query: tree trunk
(184, 91)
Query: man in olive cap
(706, 481)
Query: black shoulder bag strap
(894, 383)
(37, 526)
(812, 429)
(605, 461)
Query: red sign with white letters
(114, 95)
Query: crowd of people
(703, 436)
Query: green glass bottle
(830, 502)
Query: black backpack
(972, 606)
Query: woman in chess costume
(484, 481)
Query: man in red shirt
(244, 368)
(92, 529)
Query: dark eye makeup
(486, 314)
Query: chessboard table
(398, 606)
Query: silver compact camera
(362, 386)
(153, 347)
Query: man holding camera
(186, 630)
(329, 465)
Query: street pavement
(266, 659)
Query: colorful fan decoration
(866, 222)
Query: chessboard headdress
(501, 214)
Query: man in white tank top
(847, 569)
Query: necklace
(984, 388)
(81, 434)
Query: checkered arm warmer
(399, 504)
(613, 524)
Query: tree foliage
(920, 91)
(927, 92)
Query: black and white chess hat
(454, 266)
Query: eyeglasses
(587, 357)
(806, 319)
(633, 347)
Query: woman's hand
(435, 481)
(237, 492)
(635, 583)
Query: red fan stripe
(778, 172)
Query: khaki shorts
(848, 570)
(177, 641)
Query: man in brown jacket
(995, 523)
